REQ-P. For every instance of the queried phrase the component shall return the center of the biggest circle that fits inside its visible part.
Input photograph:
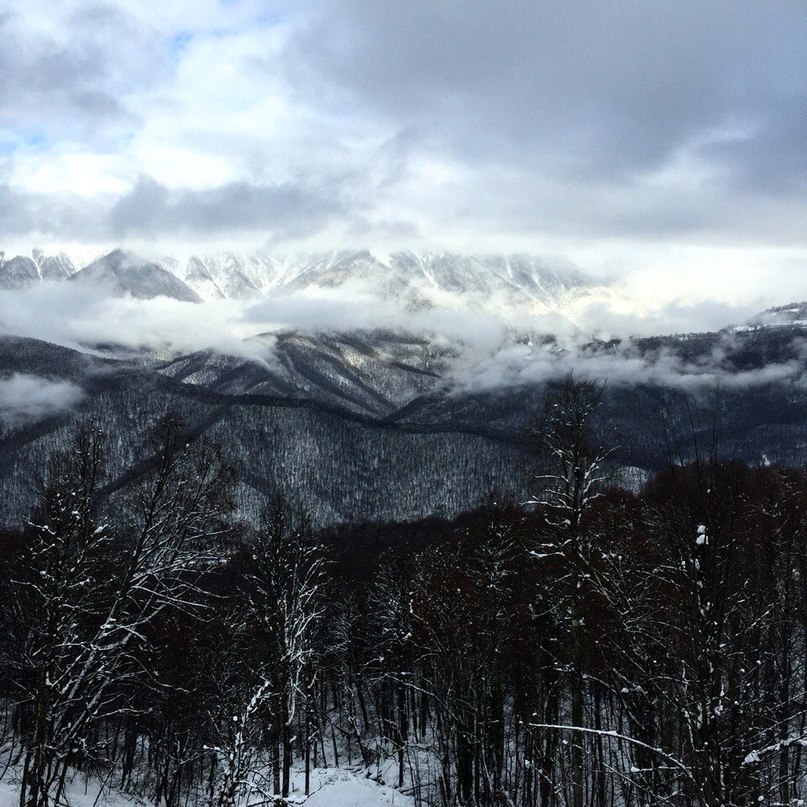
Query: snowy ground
(330, 787)
(340, 787)
(79, 794)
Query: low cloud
(80, 315)
(28, 397)
(496, 345)
(624, 364)
(493, 344)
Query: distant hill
(781, 316)
(370, 426)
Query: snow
(79, 793)
(7, 795)
(341, 787)
(330, 787)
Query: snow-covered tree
(283, 579)
(90, 585)
(571, 474)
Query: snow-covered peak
(126, 273)
(415, 279)
(22, 271)
(18, 272)
(793, 314)
(506, 286)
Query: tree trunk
(287, 757)
(577, 771)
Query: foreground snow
(339, 787)
(80, 793)
(330, 787)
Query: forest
(591, 647)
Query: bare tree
(89, 588)
(569, 482)
(283, 577)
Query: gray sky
(665, 142)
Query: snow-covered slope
(22, 271)
(55, 266)
(414, 281)
(372, 425)
(124, 272)
(793, 314)
(367, 373)
(18, 272)
(346, 786)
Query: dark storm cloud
(64, 216)
(774, 160)
(580, 89)
(290, 209)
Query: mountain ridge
(416, 279)
(371, 424)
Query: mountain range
(381, 423)
(414, 280)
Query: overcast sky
(665, 141)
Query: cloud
(660, 145)
(770, 159)
(625, 364)
(152, 210)
(63, 216)
(519, 126)
(81, 315)
(66, 69)
(504, 346)
(487, 341)
(590, 90)
(29, 397)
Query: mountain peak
(780, 316)
(18, 272)
(128, 273)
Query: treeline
(594, 647)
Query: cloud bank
(487, 346)
(28, 397)
(644, 138)
(619, 365)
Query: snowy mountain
(22, 271)
(370, 425)
(412, 280)
(18, 272)
(382, 423)
(126, 273)
(56, 266)
(782, 316)
(369, 373)
(416, 280)
(512, 287)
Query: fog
(495, 344)
(28, 397)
